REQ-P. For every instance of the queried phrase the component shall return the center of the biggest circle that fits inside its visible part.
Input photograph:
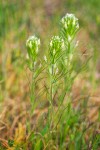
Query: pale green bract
(56, 43)
(55, 47)
(32, 45)
(70, 26)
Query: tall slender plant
(58, 66)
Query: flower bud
(32, 45)
(56, 44)
(70, 26)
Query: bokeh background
(21, 18)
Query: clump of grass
(60, 129)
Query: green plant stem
(66, 79)
(33, 92)
(51, 86)
(51, 94)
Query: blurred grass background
(21, 18)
